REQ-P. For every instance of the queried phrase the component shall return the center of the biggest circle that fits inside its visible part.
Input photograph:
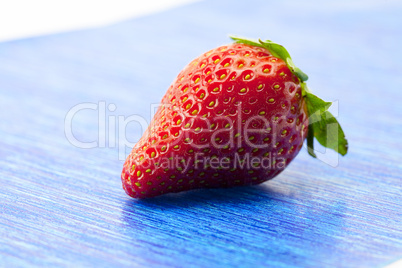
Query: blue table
(61, 200)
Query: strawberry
(236, 115)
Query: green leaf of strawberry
(324, 127)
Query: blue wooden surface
(61, 205)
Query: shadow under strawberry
(212, 196)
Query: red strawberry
(236, 115)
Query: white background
(27, 18)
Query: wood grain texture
(64, 206)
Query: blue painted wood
(62, 205)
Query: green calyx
(323, 126)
